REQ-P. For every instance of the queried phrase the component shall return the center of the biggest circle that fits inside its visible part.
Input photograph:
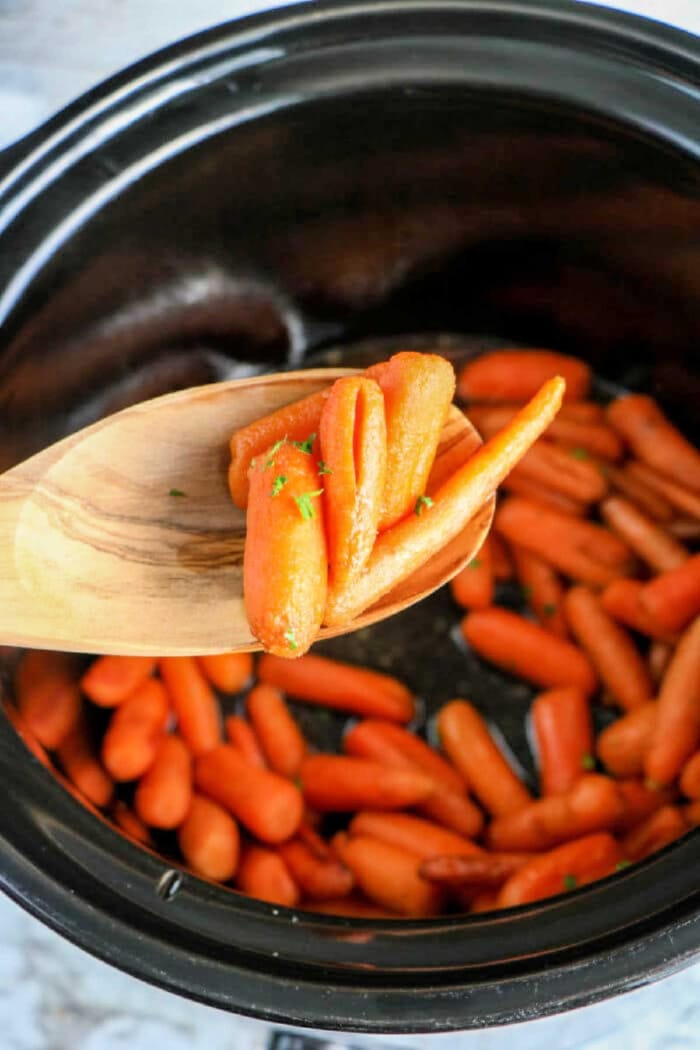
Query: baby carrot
(318, 877)
(280, 738)
(472, 587)
(451, 455)
(341, 783)
(421, 837)
(352, 907)
(404, 548)
(660, 829)
(621, 747)
(344, 687)
(543, 590)
(524, 648)
(690, 777)
(81, 765)
(673, 598)
(194, 703)
(650, 435)
(263, 874)
(683, 500)
(646, 538)
(130, 743)
(111, 679)
(353, 438)
(475, 872)
(268, 805)
(388, 875)
(418, 389)
(610, 649)
(485, 901)
(594, 437)
(520, 484)
(561, 723)
(560, 470)
(640, 800)
(209, 840)
(642, 495)
(25, 734)
(502, 561)
(241, 735)
(677, 733)
(127, 821)
(465, 737)
(48, 696)
(622, 599)
(581, 861)
(229, 672)
(164, 792)
(658, 659)
(394, 746)
(515, 375)
(285, 562)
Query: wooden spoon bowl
(123, 538)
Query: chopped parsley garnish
(549, 608)
(475, 563)
(622, 864)
(278, 484)
(422, 501)
(305, 446)
(290, 640)
(304, 504)
(587, 761)
(580, 453)
(275, 448)
(570, 882)
(323, 469)
(176, 492)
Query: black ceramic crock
(252, 197)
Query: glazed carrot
(621, 747)
(650, 435)
(48, 696)
(685, 529)
(268, 805)
(515, 375)
(485, 901)
(673, 598)
(454, 811)
(451, 455)
(296, 422)
(285, 561)
(388, 875)
(543, 590)
(640, 800)
(677, 733)
(209, 840)
(421, 837)
(520, 484)
(130, 743)
(597, 437)
(26, 735)
(610, 649)
(476, 872)
(353, 436)
(676, 492)
(557, 469)
(524, 648)
(402, 549)
(579, 549)
(318, 877)
(164, 792)
(466, 739)
(352, 907)
(660, 829)
(194, 703)
(580, 861)
(241, 735)
(111, 679)
(418, 389)
(229, 672)
(642, 495)
(263, 874)
(563, 733)
(653, 544)
(127, 821)
(502, 562)
(472, 587)
(394, 746)
(279, 736)
(344, 687)
(622, 599)
(658, 659)
(690, 777)
(592, 804)
(82, 766)
(341, 783)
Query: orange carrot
(26, 735)
(241, 735)
(388, 875)
(285, 561)
(472, 587)
(465, 737)
(280, 738)
(48, 696)
(685, 529)
(622, 746)
(577, 862)
(344, 687)
(352, 907)
(519, 484)
(394, 746)
(421, 837)
(81, 765)
(130, 743)
(640, 800)
(320, 877)
(353, 437)
(677, 733)
(557, 469)
(610, 649)
(653, 544)
(515, 375)
(127, 821)
(196, 707)
(658, 659)
(642, 495)
(454, 811)
(164, 792)
(404, 548)
(561, 723)
(476, 872)
(657, 831)
(523, 648)
(592, 804)
(543, 590)
(485, 901)
(596, 438)
(655, 440)
(111, 679)
(263, 874)
(209, 840)
(452, 454)
(268, 805)
(229, 672)
(341, 783)
(622, 599)
(673, 598)
(690, 777)
(677, 494)
(502, 561)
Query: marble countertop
(53, 996)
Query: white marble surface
(53, 996)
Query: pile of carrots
(596, 527)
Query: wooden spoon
(123, 538)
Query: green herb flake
(422, 501)
(570, 882)
(587, 761)
(278, 484)
(304, 504)
(323, 469)
(580, 453)
(305, 446)
(299, 783)
(549, 608)
(622, 864)
(290, 639)
(475, 563)
(177, 492)
(273, 451)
